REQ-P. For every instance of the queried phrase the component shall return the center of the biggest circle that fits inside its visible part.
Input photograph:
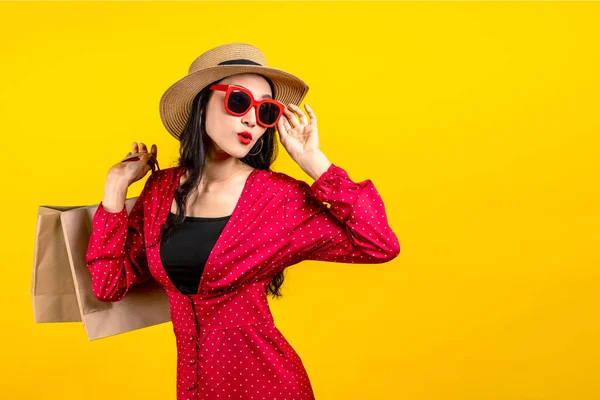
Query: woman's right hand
(133, 170)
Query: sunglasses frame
(228, 89)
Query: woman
(218, 230)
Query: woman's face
(223, 128)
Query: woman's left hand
(299, 136)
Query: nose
(249, 119)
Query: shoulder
(294, 192)
(272, 181)
(280, 181)
(158, 179)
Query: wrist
(315, 164)
(116, 183)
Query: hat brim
(176, 102)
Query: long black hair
(192, 155)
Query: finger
(281, 128)
(126, 157)
(148, 157)
(154, 150)
(286, 124)
(291, 117)
(311, 114)
(150, 163)
(143, 147)
(299, 111)
(134, 147)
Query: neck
(221, 170)
(216, 171)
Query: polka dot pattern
(339, 220)
(228, 346)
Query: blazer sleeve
(354, 229)
(116, 254)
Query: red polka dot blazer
(228, 346)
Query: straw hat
(216, 64)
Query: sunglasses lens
(268, 113)
(239, 102)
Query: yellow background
(478, 123)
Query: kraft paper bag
(61, 285)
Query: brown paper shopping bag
(52, 287)
(61, 286)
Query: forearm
(115, 194)
(315, 164)
(116, 255)
(354, 229)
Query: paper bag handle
(152, 161)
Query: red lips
(245, 137)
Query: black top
(185, 250)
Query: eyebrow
(265, 96)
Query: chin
(240, 150)
(238, 153)
(233, 150)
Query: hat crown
(231, 53)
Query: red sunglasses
(239, 100)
